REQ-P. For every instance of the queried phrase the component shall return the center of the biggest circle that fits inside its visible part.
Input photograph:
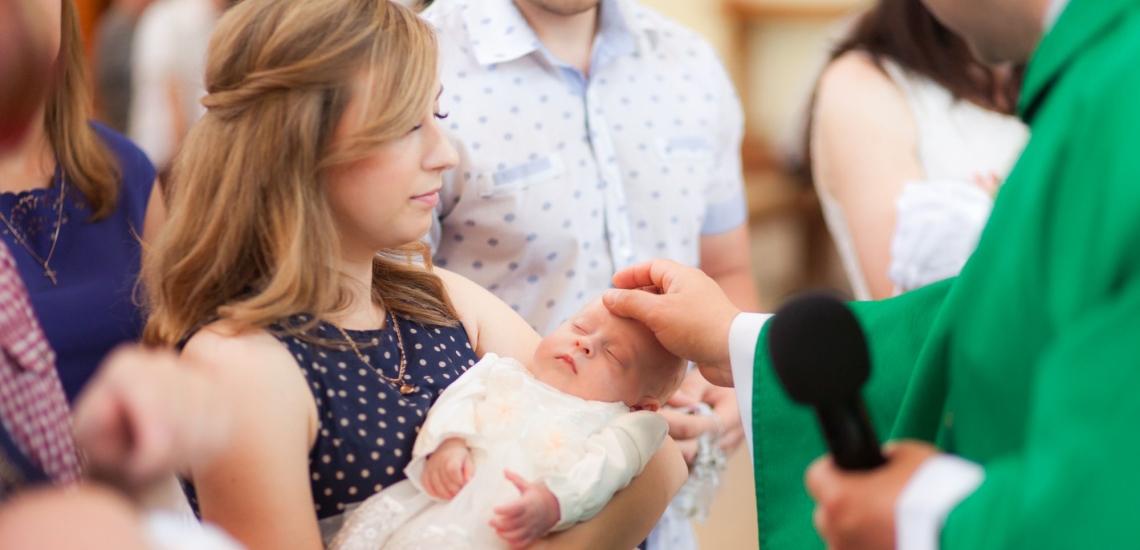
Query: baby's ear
(646, 404)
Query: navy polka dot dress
(367, 428)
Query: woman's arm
(491, 324)
(258, 488)
(632, 513)
(864, 144)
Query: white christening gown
(584, 451)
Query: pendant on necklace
(407, 389)
(50, 274)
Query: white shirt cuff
(742, 339)
(927, 499)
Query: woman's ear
(646, 404)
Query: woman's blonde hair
(250, 236)
(86, 161)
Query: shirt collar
(500, 33)
(1053, 13)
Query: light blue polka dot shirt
(564, 178)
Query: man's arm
(725, 258)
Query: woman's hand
(529, 517)
(856, 510)
(448, 469)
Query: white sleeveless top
(941, 216)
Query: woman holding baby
(292, 264)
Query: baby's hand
(527, 519)
(448, 469)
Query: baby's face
(599, 356)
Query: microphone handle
(849, 434)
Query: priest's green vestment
(1028, 363)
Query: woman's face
(386, 199)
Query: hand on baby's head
(599, 356)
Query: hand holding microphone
(820, 356)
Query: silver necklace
(44, 262)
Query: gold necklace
(48, 271)
(405, 387)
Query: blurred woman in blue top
(75, 200)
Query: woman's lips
(428, 199)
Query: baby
(513, 451)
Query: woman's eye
(438, 116)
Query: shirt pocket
(511, 180)
(695, 151)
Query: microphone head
(818, 349)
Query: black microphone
(821, 359)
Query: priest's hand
(685, 309)
(856, 510)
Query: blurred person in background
(75, 198)
(909, 140)
(168, 70)
(142, 419)
(114, 41)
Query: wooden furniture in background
(779, 193)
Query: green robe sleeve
(786, 437)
